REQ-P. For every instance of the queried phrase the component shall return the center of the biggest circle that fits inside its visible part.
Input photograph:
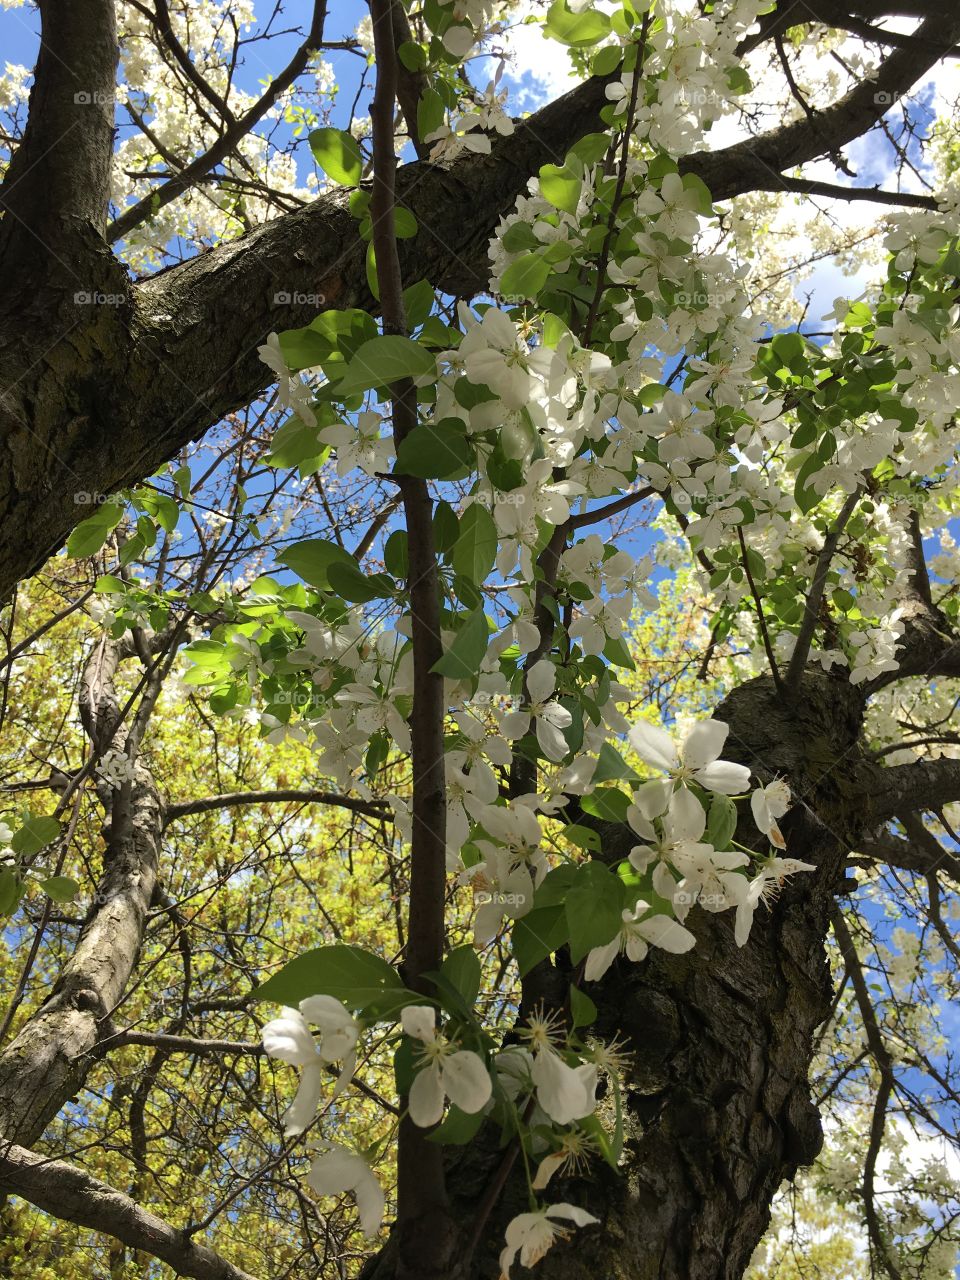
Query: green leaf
(350, 583)
(525, 276)
(592, 147)
(11, 891)
(461, 968)
(358, 978)
(446, 527)
(37, 831)
(311, 560)
(804, 493)
(704, 199)
(582, 1009)
(382, 361)
(608, 803)
(611, 766)
(579, 30)
(594, 908)
(412, 55)
(561, 186)
(538, 935)
(338, 155)
(295, 445)
(721, 822)
(60, 888)
(90, 535)
(462, 660)
(458, 1128)
(436, 451)
(556, 885)
(476, 548)
(582, 837)
(430, 112)
(617, 653)
(606, 60)
(396, 554)
(418, 302)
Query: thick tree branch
(908, 788)
(73, 1195)
(45, 1064)
(181, 350)
(54, 194)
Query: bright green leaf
(338, 155)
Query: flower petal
(466, 1080)
(654, 746)
(426, 1097)
(300, 1113)
(541, 680)
(665, 933)
(419, 1021)
(724, 776)
(339, 1170)
(572, 1212)
(600, 959)
(565, 1093)
(288, 1038)
(704, 743)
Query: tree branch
(54, 193)
(231, 800)
(237, 130)
(811, 613)
(73, 1195)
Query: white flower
(680, 830)
(565, 1093)
(633, 939)
(503, 889)
(767, 804)
(706, 879)
(457, 1074)
(549, 718)
(337, 1170)
(292, 393)
(289, 1039)
(695, 760)
(531, 1234)
(116, 768)
(763, 888)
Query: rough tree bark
(47, 1061)
(718, 1109)
(97, 394)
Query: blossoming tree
(505, 345)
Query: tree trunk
(717, 1103)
